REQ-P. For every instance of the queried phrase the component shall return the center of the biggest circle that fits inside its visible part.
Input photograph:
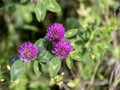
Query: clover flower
(27, 52)
(55, 32)
(62, 49)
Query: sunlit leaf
(40, 14)
(54, 66)
(75, 55)
(40, 10)
(71, 33)
(53, 6)
(36, 68)
(69, 62)
(26, 14)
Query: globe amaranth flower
(27, 52)
(55, 32)
(62, 49)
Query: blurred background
(18, 24)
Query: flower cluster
(55, 33)
(27, 52)
(61, 48)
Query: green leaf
(43, 5)
(69, 62)
(42, 43)
(36, 68)
(40, 10)
(40, 14)
(26, 14)
(74, 24)
(75, 55)
(54, 66)
(30, 27)
(53, 6)
(71, 33)
(86, 35)
(44, 57)
(17, 69)
(98, 52)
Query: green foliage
(69, 62)
(53, 6)
(17, 69)
(43, 5)
(43, 57)
(42, 43)
(75, 56)
(71, 33)
(40, 10)
(54, 66)
(87, 70)
(91, 27)
(37, 68)
(27, 16)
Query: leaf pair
(43, 5)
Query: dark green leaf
(74, 24)
(13, 58)
(17, 69)
(54, 66)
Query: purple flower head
(55, 32)
(62, 49)
(27, 51)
